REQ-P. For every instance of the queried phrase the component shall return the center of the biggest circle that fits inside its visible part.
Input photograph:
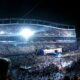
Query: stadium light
(2, 32)
(26, 33)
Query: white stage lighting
(26, 33)
(2, 32)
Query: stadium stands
(26, 65)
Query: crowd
(10, 49)
(56, 32)
(31, 67)
(35, 67)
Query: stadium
(44, 33)
(39, 50)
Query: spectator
(4, 68)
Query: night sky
(66, 12)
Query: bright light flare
(2, 32)
(26, 33)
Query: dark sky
(51, 10)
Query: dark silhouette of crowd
(4, 69)
(50, 72)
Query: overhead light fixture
(26, 33)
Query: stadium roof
(34, 21)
